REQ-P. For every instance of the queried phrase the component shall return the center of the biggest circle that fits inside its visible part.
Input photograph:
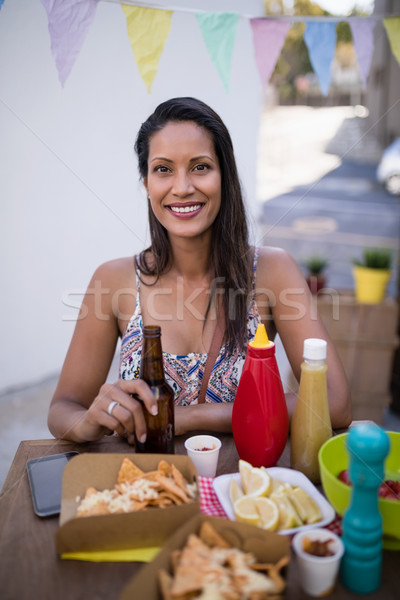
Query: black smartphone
(45, 478)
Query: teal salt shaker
(360, 571)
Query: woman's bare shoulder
(274, 262)
(273, 253)
(116, 273)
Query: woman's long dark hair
(230, 258)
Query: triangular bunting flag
(268, 38)
(148, 30)
(363, 41)
(69, 22)
(320, 39)
(392, 26)
(219, 31)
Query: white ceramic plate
(222, 485)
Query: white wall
(70, 195)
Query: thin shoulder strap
(254, 254)
(216, 341)
(212, 355)
(137, 272)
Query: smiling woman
(199, 276)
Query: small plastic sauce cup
(318, 574)
(204, 452)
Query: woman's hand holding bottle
(115, 409)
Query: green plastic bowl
(333, 458)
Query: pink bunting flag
(268, 39)
(69, 22)
(363, 41)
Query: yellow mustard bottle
(311, 422)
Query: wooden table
(30, 568)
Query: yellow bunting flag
(392, 26)
(148, 30)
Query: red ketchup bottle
(260, 420)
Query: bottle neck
(313, 363)
(151, 364)
(264, 352)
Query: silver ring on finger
(111, 407)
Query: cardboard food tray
(141, 529)
(267, 547)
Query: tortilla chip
(211, 537)
(187, 580)
(175, 558)
(100, 508)
(211, 591)
(165, 468)
(165, 499)
(151, 475)
(170, 486)
(90, 491)
(129, 472)
(178, 477)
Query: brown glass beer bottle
(160, 428)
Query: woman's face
(184, 179)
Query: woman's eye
(161, 169)
(202, 167)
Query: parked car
(388, 171)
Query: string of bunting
(148, 28)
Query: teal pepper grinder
(360, 571)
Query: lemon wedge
(259, 483)
(306, 506)
(235, 491)
(288, 516)
(245, 469)
(245, 510)
(269, 513)
(278, 486)
(255, 481)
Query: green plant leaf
(316, 264)
(375, 258)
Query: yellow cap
(261, 338)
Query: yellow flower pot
(370, 284)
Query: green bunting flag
(219, 31)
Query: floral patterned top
(184, 373)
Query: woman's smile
(185, 210)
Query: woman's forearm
(67, 420)
(210, 417)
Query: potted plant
(315, 276)
(371, 275)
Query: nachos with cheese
(208, 568)
(137, 490)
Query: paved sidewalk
(24, 416)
